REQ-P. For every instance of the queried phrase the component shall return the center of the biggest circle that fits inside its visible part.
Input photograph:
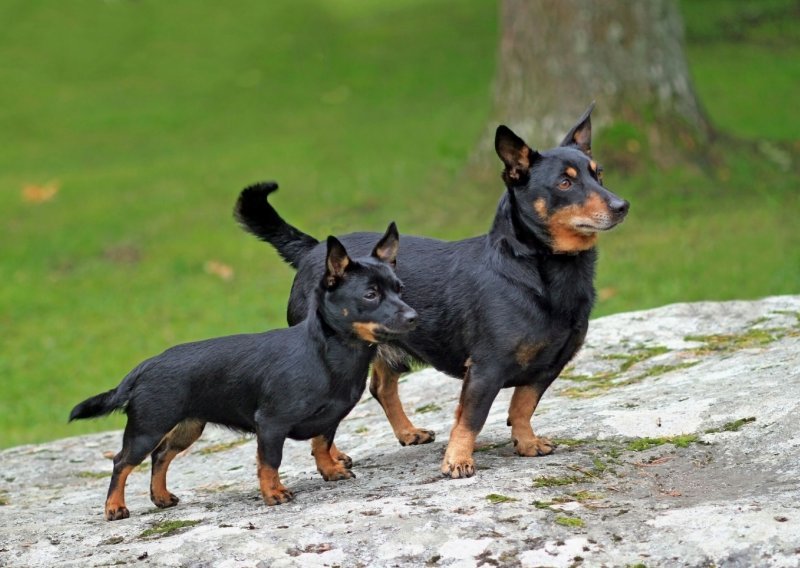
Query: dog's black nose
(619, 207)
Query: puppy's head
(559, 193)
(362, 295)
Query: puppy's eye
(371, 295)
(564, 184)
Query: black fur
(298, 382)
(506, 309)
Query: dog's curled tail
(257, 216)
(107, 402)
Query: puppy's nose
(410, 317)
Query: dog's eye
(564, 184)
(371, 295)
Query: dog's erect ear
(517, 156)
(581, 133)
(336, 262)
(386, 249)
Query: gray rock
(679, 445)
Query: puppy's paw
(416, 437)
(336, 473)
(457, 467)
(116, 512)
(533, 446)
(164, 501)
(277, 495)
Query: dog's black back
(509, 308)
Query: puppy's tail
(257, 216)
(107, 402)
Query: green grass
(151, 116)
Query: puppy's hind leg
(179, 439)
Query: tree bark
(556, 56)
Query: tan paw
(336, 473)
(116, 512)
(164, 501)
(277, 495)
(342, 458)
(534, 446)
(416, 437)
(458, 467)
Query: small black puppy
(505, 309)
(297, 383)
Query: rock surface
(679, 445)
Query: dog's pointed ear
(581, 133)
(517, 156)
(336, 262)
(386, 249)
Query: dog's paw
(533, 446)
(277, 495)
(458, 467)
(117, 512)
(164, 501)
(416, 437)
(336, 473)
(343, 459)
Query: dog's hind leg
(330, 469)
(136, 445)
(179, 439)
(383, 386)
(523, 404)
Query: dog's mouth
(379, 333)
(596, 227)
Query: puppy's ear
(336, 262)
(386, 249)
(581, 133)
(517, 156)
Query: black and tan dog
(506, 309)
(295, 383)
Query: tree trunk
(556, 56)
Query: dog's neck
(510, 235)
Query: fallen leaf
(219, 269)
(34, 193)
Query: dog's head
(362, 296)
(559, 192)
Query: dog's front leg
(383, 386)
(477, 394)
(270, 454)
(523, 404)
(329, 468)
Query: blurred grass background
(127, 129)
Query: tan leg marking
(329, 469)
(272, 490)
(338, 455)
(115, 508)
(526, 443)
(177, 440)
(383, 386)
(458, 457)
